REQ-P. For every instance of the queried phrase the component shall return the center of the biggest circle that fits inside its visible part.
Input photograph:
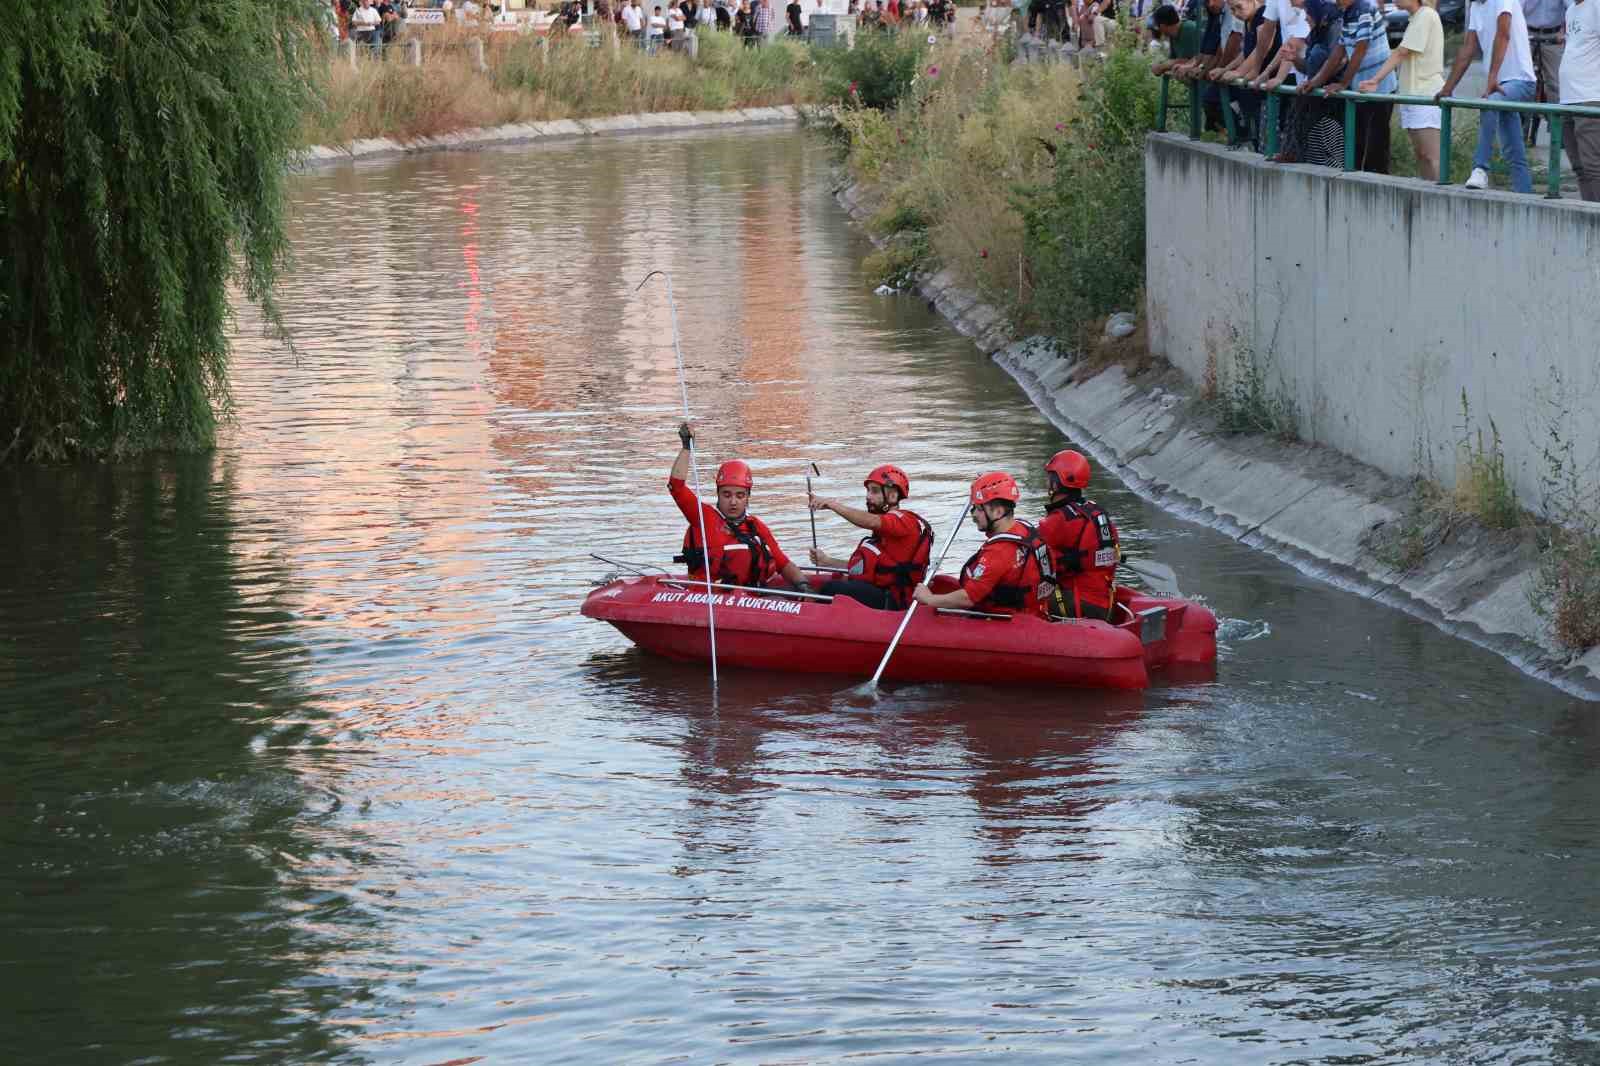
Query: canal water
(308, 755)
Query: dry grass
(527, 83)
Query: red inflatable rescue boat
(810, 633)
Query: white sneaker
(1478, 179)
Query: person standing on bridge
(893, 558)
(1003, 576)
(1580, 85)
(1497, 30)
(1420, 61)
(743, 550)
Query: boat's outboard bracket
(1152, 625)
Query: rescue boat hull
(667, 616)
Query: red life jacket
(746, 561)
(874, 562)
(1021, 591)
(1077, 574)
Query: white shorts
(1419, 117)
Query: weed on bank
(1025, 180)
(529, 82)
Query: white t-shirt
(675, 21)
(1580, 64)
(1483, 18)
(632, 18)
(658, 25)
(1292, 22)
(706, 15)
(365, 16)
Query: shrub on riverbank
(1026, 180)
(142, 160)
(527, 83)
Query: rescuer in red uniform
(743, 550)
(892, 559)
(1083, 549)
(1003, 576)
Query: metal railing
(1351, 99)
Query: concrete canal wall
(320, 155)
(1372, 302)
(1306, 503)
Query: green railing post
(1161, 108)
(1194, 112)
(1444, 142)
(1554, 122)
(1227, 115)
(1349, 135)
(1270, 143)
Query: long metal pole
(694, 465)
(909, 610)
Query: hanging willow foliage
(143, 147)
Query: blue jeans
(1507, 126)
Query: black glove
(686, 435)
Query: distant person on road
(1497, 31)
(1420, 60)
(1003, 576)
(793, 13)
(1580, 86)
(743, 550)
(1082, 542)
(633, 20)
(892, 559)
(364, 23)
(744, 25)
(655, 29)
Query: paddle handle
(906, 618)
(812, 513)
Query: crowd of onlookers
(755, 20)
(1547, 50)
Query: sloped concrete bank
(319, 155)
(1317, 509)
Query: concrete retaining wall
(1373, 302)
(320, 155)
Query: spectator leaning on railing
(1283, 21)
(1496, 29)
(1420, 59)
(1361, 50)
(1218, 48)
(1580, 86)
(1313, 132)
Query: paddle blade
(1158, 578)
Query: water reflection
(154, 721)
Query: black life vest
(746, 533)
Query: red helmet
(889, 474)
(735, 474)
(1070, 468)
(995, 486)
